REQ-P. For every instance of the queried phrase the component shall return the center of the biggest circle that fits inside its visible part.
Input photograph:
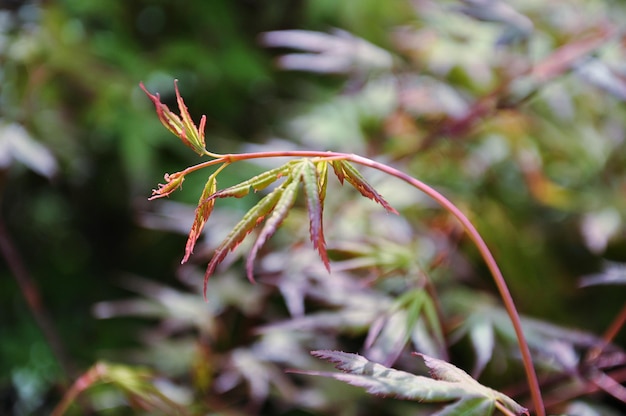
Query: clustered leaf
(287, 194)
(249, 221)
(311, 173)
(447, 383)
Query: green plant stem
(474, 235)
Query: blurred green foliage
(474, 100)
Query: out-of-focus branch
(512, 93)
(611, 332)
(29, 290)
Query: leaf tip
(250, 270)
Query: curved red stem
(474, 235)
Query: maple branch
(185, 129)
(472, 232)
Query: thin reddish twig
(608, 336)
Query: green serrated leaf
(322, 177)
(310, 183)
(338, 169)
(345, 170)
(252, 218)
(257, 183)
(203, 211)
(287, 197)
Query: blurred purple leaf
(612, 274)
(340, 52)
(16, 144)
(598, 74)
(518, 27)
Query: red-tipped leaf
(345, 171)
(203, 211)
(286, 197)
(257, 183)
(249, 221)
(314, 194)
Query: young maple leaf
(272, 209)
(345, 171)
(203, 211)
(172, 183)
(182, 126)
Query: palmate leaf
(203, 211)
(304, 171)
(252, 218)
(345, 171)
(312, 174)
(288, 193)
(448, 384)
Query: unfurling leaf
(203, 211)
(287, 196)
(183, 127)
(252, 218)
(448, 384)
(345, 171)
(172, 183)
